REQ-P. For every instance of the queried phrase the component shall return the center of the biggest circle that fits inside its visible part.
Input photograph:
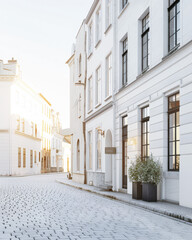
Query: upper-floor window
(98, 25)
(23, 125)
(18, 123)
(98, 86)
(79, 106)
(90, 40)
(173, 24)
(90, 93)
(109, 75)
(123, 3)
(173, 132)
(108, 13)
(31, 158)
(145, 132)
(145, 42)
(80, 65)
(124, 61)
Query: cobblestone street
(37, 207)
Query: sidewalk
(168, 209)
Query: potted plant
(135, 176)
(151, 175)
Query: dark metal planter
(149, 192)
(137, 190)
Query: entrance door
(124, 151)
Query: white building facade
(20, 124)
(154, 92)
(139, 93)
(77, 65)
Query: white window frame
(108, 20)
(98, 26)
(90, 38)
(108, 85)
(90, 93)
(98, 86)
(90, 153)
(98, 161)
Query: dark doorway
(124, 151)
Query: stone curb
(166, 213)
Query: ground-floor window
(19, 157)
(24, 157)
(90, 149)
(31, 158)
(145, 132)
(98, 150)
(124, 150)
(173, 132)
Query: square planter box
(137, 190)
(149, 192)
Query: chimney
(12, 60)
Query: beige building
(77, 65)
(46, 135)
(20, 123)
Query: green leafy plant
(135, 170)
(151, 171)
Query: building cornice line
(28, 136)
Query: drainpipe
(113, 92)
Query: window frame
(145, 120)
(24, 157)
(174, 6)
(90, 93)
(173, 111)
(90, 141)
(109, 76)
(98, 86)
(98, 25)
(31, 158)
(123, 4)
(99, 159)
(124, 56)
(143, 34)
(19, 157)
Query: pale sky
(39, 34)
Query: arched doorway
(78, 155)
(108, 159)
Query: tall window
(90, 93)
(109, 75)
(173, 132)
(145, 132)
(174, 23)
(80, 65)
(98, 25)
(39, 157)
(124, 150)
(108, 13)
(79, 106)
(98, 150)
(78, 155)
(124, 62)
(90, 40)
(31, 158)
(24, 157)
(98, 86)
(90, 149)
(35, 156)
(35, 130)
(19, 157)
(123, 3)
(23, 125)
(32, 128)
(145, 42)
(18, 123)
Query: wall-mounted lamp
(100, 131)
(132, 141)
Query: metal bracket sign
(110, 150)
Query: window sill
(171, 175)
(143, 72)
(89, 111)
(108, 28)
(107, 98)
(99, 104)
(98, 42)
(89, 55)
(123, 10)
(172, 51)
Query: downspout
(113, 93)
(84, 124)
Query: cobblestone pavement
(39, 208)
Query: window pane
(171, 13)
(144, 139)
(172, 27)
(172, 42)
(177, 162)
(172, 134)
(172, 148)
(178, 133)
(172, 120)
(177, 119)
(178, 147)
